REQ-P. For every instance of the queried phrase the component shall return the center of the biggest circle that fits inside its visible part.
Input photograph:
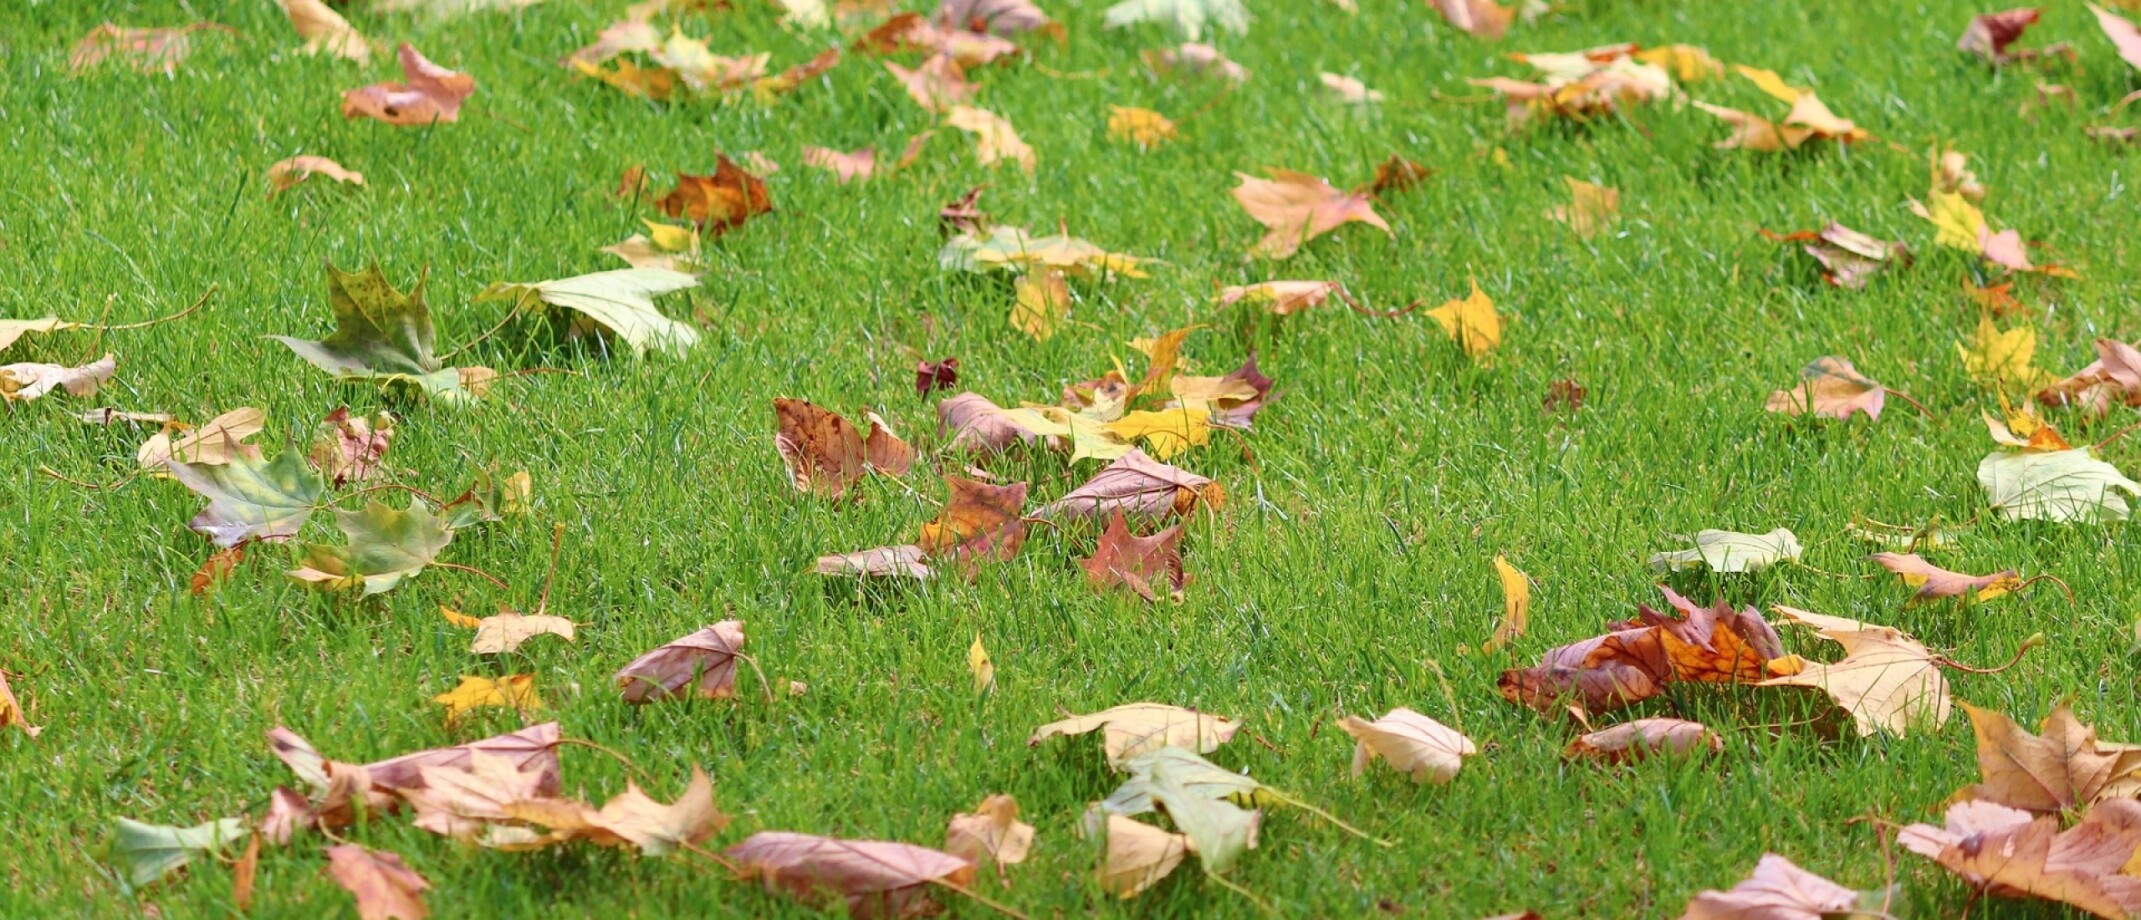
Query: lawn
(1349, 571)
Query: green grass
(1365, 507)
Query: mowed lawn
(1349, 573)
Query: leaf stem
(55, 474)
(557, 540)
(716, 857)
(1906, 397)
(765, 686)
(144, 324)
(433, 499)
(2020, 650)
(493, 579)
(2100, 445)
(494, 330)
(1327, 816)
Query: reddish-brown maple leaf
(1142, 564)
(701, 664)
(432, 94)
(720, 202)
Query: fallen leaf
(2062, 768)
(384, 336)
(1196, 60)
(432, 94)
(1935, 582)
(464, 802)
(218, 441)
(385, 547)
(2059, 485)
(505, 630)
(385, 888)
(2002, 357)
(217, 567)
(2112, 380)
(515, 691)
(1636, 658)
(997, 17)
(1296, 208)
(1479, 18)
(1012, 249)
(14, 329)
(1166, 432)
(1139, 486)
(146, 50)
(532, 748)
(990, 833)
(251, 499)
(1644, 738)
(11, 713)
(978, 425)
(1138, 728)
(324, 30)
(1581, 86)
(984, 670)
(619, 301)
(719, 202)
(286, 173)
(28, 381)
(1516, 606)
(1687, 63)
(617, 38)
(631, 818)
(1848, 257)
(1729, 551)
(825, 455)
(963, 216)
(702, 664)
(1591, 207)
(1397, 174)
(144, 853)
(1830, 386)
(1411, 743)
(1778, 890)
(940, 375)
(885, 561)
(1564, 395)
(2013, 853)
(1142, 564)
(994, 138)
(979, 521)
(1348, 90)
(1231, 401)
(1042, 301)
(2025, 429)
(1989, 34)
(1138, 856)
(656, 83)
(1886, 680)
(344, 449)
(1199, 797)
(702, 70)
(874, 878)
(1471, 322)
(1283, 297)
(244, 873)
(845, 167)
(939, 84)
(2123, 34)
(1186, 18)
(288, 812)
(1142, 127)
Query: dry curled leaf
(2111, 381)
(1830, 386)
(324, 30)
(2013, 853)
(27, 381)
(1145, 565)
(979, 521)
(994, 138)
(1887, 680)
(1411, 743)
(346, 449)
(991, 833)
(719, 202)
(1138, 728)
(2061, 769)
(11, 714)
(701, 664)
(1935, 582)
(432, 94)
(505, 630)
(1777, 890)
(1634, 660)
(1644, 738)
(1516, 605)
(286, 173)
(1140, 486)
(385, 888)
(906, 561)
(874, 878)
(825, 455)
(218, 441)
(1138, 856)
(1730, 551)
(1848, 257)
(937, 85)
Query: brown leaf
(1646, 738)
(11, 714)
(1231, 401)
(2062, 768)
(1138, 856)
(1138, 728)
(1283, 297)
(1591, 207)
(1141, 564)
(432, 94)
(2012, 853)
(720, 202)
(1564, 396)
(979, 521)
(941, 375)
(461, 802)
(631, 818)
(219, 441)
(385, 888)
(531, 748)
(1411, 743)
(1638, 657)
(288, 812)
(1989, 34)
(28, 381)
(323, 29)
(826, 455)
(1933, 581)
(1778, 890)
(874, 878)
(1137, 485)
(347, 450)
(1479, 18)
(978, 425)
(1886, 680)
(1847, 256)
(507, 629)
(792, 79)
(2112, 380)
(243, 874)
(1196, 60)
(217, 567)
(1297, 207)
(997, 17)
(991, 833)
(845, 167)
(1830, 386)
(706, 658)
(1397, 174)
(937, 85)
(964, 215)
(146, 50)
(286, 173)
(885, 561)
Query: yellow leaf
(1688, 63)
(1143, 127)
(457, 618)
(513, 692)
(1471, 322)
(994, 138)
(1043, 301)
(1956, 222)
(977, 661)
(1166, 355)
(1768, 81)
(1167, 432)
(671, 238)
(2002, 357)
(1516, 605)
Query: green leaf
(385, 336)
(1732, 552)
(385, 546)
(621, 301)
(490, 499)
(144, 853)
(2055, 485)
(1219, 832)
(1186, 770)
(1186, 17)
(250, 498)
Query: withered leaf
(1142, 564)
(385, 888)
(1411, 743)
(1643, 738)
(324, 30)
(1778, 890)
(1830, 386)
(1636, 658)
(11, 714)
(1591, 207)
(845, 167)
(940, 375)
(906, 560)
(505, 630)
(1934, 582)
(938, 85)
(719, 202)
(2009, 852)
(1197, 60)
(991, 833)
(2112, 380)
(994, 138)
(1886, 679)
(284, 174)
(513, 691)
(979, 521)
(28, 380)
(631, 818)
(531, 748)
(432, 94)
(344, 449)
(1297, 207)
(874, 878)
(146, 50)
(1516, 605)
(1283, 297)
(218, 441)
(978, 425)
(1138, 856)
(1848, 257)
(2062, 768)
(702, 664)
(1231, 401)
(826, 455)
(1137, 485)
(1137, 728)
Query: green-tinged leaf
(1013, 249)
(1187, 18)
(385, 336)
(2055, 485)
(1731, 551)
(250, 498)
(1192, 774)
(385, 546)
(1219, 832)
(620, 301)
(144, 853)
(490, 499)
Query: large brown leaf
(2061, 768)
(720, 202)
(2013, 853)
(1638, 657)
(1644, 738)
(1143, 564)
(385, 888)
(1886, 679)
(979, 521)
(1139, 486)
(1778, 890)
(827, 455)
(704, 660)
(530, 749)
(432, 94)
(991, 833)
(874, 878)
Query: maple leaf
(1935, 582)
(701, 664)
(874, 878)
(1297, 207)
(385, 336)
(1516, 606)
(2113, 379)
(385, 888)
(1847, 256)
(994, 138)
(826, 455)
(1012, 249)
(284, 174)
(1139, 486)
(1591, 207)
(1196, 60)
(1166, 432)
(1348, 90)
(963, 216)
(1142, 564)
(1411, 743)
(251, 499)
(2062, 768)
(1634, 660)
(978, 425)
(2013, 853)
(1282, 297)
(27, 381)
(505, 630)
(939, 375)
(1830, 386)
(344, 449)
(1581, 85)
(432, 94)
(1138, 856)
(2023, 428)
(532, 748)
(324, 30)
(1777, 890)
(1644, 738)
(1186, 18)
(1198, 796)
(2057, 485)
(907, 560)
(990, 833)
(1471, 322)
(630, 818)
(146, 50)
(515, 691)
(1137, 728)
(1687, 63)
(14, 329)
(144, 853)
(619, 301)
(1231, 401)
(218, 441)
(2124, 35)
(719, 202)
(489, 499)
(1887, 680)
(845, 167)
(2002, 357)
(703, 70)
(997, 17)
(979, 521)
(1729, 551)
(1989, 34)
(1042, 300)
(463, 802)
(615, 39)
(1142, 127)
(11, 713)
(1397, 174)
(656, 83)
(938, 85)
(385, 547)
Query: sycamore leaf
(702, 664)
(1042, 301)
(1516, 606)
(2062, 768)
(144, 853)
(1847, 256)
(11, 713)
(1138, 856)
(1888, 681)
(1137, 728)
(1186, 18)
(515, 691)
(994, 138)
(251, 499)
(2025, 429)
(1646, 738)
(1012, 249)
(2112, 380)
(384, 335)
(631, 818)
(1089, 437)
(1688, 63)
(1142, 564)
(2059, 485)
(874, 878)
(984, 670)
(991, 833)
(146, 50)
(385, 888)
(1282, 297)
(620, 301)
(2123, 34)
(324, 30)
(1830, 386)
(883, 562)
(28, 381)
(719, 202)
(1582, 85)
(217, 442)
(1219, 832)
(1778, 890)
(1142, 127)
(979, 521)
(1591, 208)
(1137, 485)
(845, 167)
(2013, 853)
(1166, 432)
(1934, 582)
(432, 95)
(1232, 400)
(1196, 60)
(1297, 207)
(13, 329)
(284, 174)
(505, 630)
(491, 498)
(1729, 551)
(534, 747)
(1634, 660)
(939, 84)
(1989, 34)
(1411, 743)
(385, 546)
(462, 802)
(2002, 358)
(1471, 323)
(344, 449)
(701, 69)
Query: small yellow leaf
(977, 661)
(1167, 431)
(1471, 322)
(671, 238)
(457, 618)
(1143, 127)
(1956, 222)
(2002, 357)
(1768, 81)
(1516, 605)
(1043, 301)
(513, 692)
